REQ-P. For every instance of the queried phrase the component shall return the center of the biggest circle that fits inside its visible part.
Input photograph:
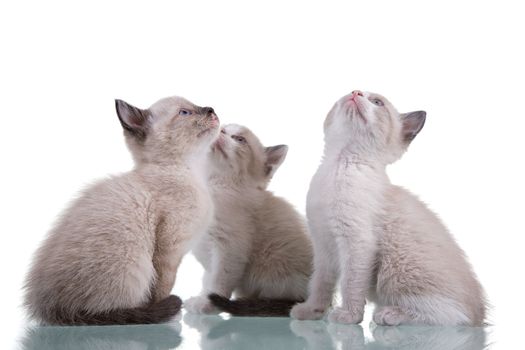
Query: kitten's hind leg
(390, 316)
(430, 311)
(227, 267)
(323, 281)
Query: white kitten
(258, 245)
(381, 241)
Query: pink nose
(356, 93)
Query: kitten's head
(171, 129)
(239, 155)
(368, 125)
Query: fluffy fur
(258, 245)
(113, 255)
(379, 239)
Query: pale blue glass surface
(214, 332)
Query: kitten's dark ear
(134, 120)
(412, 124)
(275, 156)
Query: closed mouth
(208, 129)
(354, 109)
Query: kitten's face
(239, 155)
(170, 129)
(369, 125)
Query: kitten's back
(98, 257)
(281, 248)
(415, 239)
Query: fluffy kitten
(113, 255)
(258, 245)
(382, 240)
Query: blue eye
(239, 139)
(377, 102)
(184, 112)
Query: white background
(276, 67)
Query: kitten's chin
(211, 132)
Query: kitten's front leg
(170, 247)
(166, 262)
(323, 281)
(227, 268)
(357, 249)
(200, 304)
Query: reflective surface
(215, 332)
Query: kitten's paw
(200, 305)
(306, 311)
(340, 315)
(389, 316)
(307, 329)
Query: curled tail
(253, 307)
(161, 311)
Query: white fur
(380, 241)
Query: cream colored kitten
(258, 245)
(113, 255)
(382, 241)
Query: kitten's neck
(192, 164)
(349, 157)
(230, 182)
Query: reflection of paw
(314, 333)
(387, 335)
(389, 316)
(308, 328)
(306, 311)
(340, 315)
(350, 335)
(202, 323)
(341, 331)
(200, 305)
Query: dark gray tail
(253, 307)
(158, 312)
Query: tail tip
(217, 299)
(168, 307)
(172, 302)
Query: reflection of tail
(253, 307)
(158, 312)
(136, 337)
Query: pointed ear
(275, 156)
(134, 120)
(412, 124)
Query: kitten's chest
(329, 182)
(233, 214)
(337, 189)
(190, 204)
(205, 208)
